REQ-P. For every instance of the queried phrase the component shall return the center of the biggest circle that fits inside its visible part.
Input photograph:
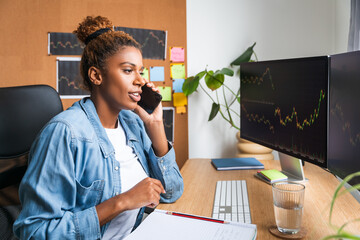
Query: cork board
(24, 55)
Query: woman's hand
(156, 115)
(145, 193)
(154, 126)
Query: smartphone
(149, 99)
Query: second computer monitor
(284, 106)
(344, 115)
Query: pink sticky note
(177, 54)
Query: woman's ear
(95, 76)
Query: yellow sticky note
(165, 93)
(181, 109)
(146, 73)
(177, 71)
(180, 99)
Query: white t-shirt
(131, 173)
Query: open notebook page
(159, 225)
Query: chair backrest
(24, 111)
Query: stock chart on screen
(284, 106)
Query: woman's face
(122, 79)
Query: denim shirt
(72, 168)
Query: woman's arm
(160, 156)
(48, 192)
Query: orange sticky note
(179, 99)
(181, 109)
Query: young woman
(94, 167)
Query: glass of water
(288, 206)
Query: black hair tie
(96, 34)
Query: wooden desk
(199, 189)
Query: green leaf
(227, 71)
(214, 81)
(201, 74)
(245, 57)
(238, 98)
(341, 236)
(214, 110)
(190, 85)
(345, 180)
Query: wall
(24, 26)
(219, 31)
(342, 25)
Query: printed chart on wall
(168, 118)
(68, 80)
(153, 42)
(64, 44)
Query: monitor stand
(292, 167)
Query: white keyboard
(231, 202)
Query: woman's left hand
(154, 126)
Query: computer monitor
(284, 107)
(344, 115)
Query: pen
(196, 217)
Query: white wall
(342, 25)
(219, 31)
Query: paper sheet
(146, 74)
(177, 54)
(157, 74)
(162, 226)
(180, 110)
(177, 71)
(165, 93)
(177, 85)
(180, 100)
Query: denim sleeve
(167, 171)
(48, 191)
(163, 168)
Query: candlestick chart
(69, 80)
(64, 44)
(284, 106)
(350, 131)
(153, 42)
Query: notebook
(271, 175)
(160, 225)
(236, 163)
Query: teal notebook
(236, 163)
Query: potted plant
(227, 101)
(215, 81)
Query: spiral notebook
(161, 225)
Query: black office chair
(23, 112)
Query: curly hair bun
(91, 24)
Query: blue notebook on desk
(236, 163)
